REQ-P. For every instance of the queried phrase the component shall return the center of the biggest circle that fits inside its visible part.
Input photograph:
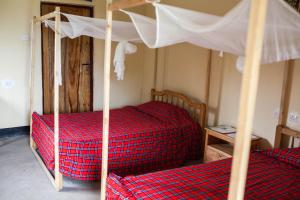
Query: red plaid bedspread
(268, 178)
(152, 136)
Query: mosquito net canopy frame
(75, 27)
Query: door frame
(91, 8)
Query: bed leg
(58, 181)
(205, 145)
(32, 144)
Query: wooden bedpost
(57, 179)
(208, 79)
(105, 135)
(209, 66)
(32, 77)
(110, 7)
(57, 61)
(248, 99)
(155, 68)
(285, 100)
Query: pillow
(165, 112)
(288, 155)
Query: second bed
(272, 174)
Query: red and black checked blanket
(272, 175)
(149, 137)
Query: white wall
(15, 53)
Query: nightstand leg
(205, 146)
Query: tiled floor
(22, 178)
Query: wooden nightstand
(219, 146)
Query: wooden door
(76, 93)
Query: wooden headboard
(281, 131)
(196, 110)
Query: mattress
(273, 174)
(144, 138)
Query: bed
(272, 175)
(161, 134)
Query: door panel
(77, 66)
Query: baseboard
(10, 132)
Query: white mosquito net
(176, 25)
(96, 28)
(228, 33)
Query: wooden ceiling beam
(123, 4)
